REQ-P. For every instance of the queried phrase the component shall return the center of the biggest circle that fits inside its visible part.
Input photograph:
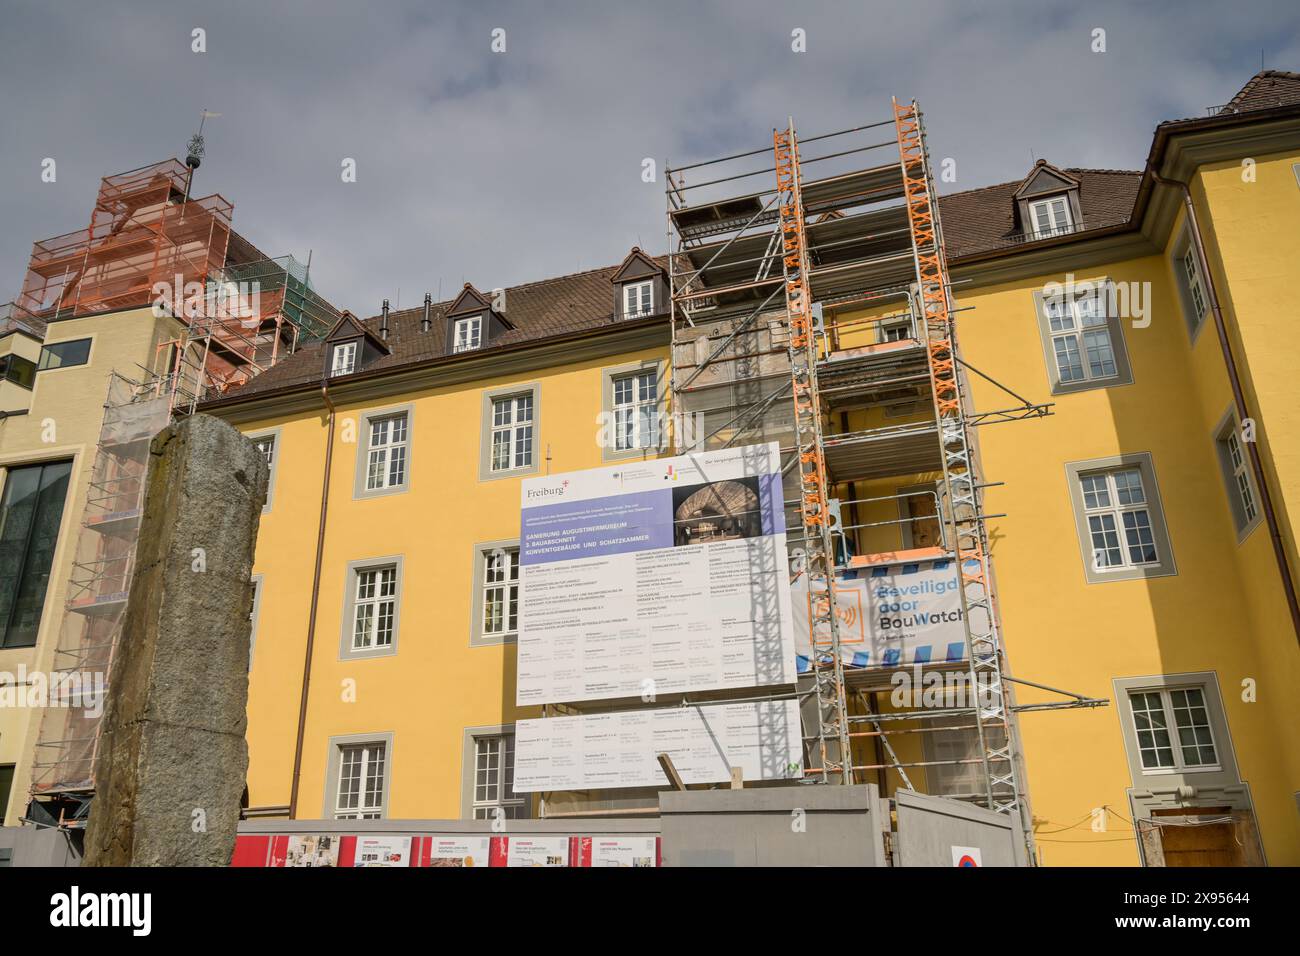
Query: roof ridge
(523, 285)
(1017, 182)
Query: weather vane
(194, 155)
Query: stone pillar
(172, 756)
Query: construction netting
(98, 587)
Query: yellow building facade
(1139, 559)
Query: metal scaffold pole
(814, 504)
(993, 717)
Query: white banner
(654, 577)
(889, 615)
(601, 751)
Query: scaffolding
(237, 312)
(240, 310)
(98, 587)
(143, 231)
(254, 314)
(798, 307)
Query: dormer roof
(350, 327)
(636, 265)
(1045, 178)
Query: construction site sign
(655, 577)
(600, 751)
(890, 615)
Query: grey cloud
(500, 169)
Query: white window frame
(638, 411)
(268, 443)
(1241, 477)
(1238, 476)
(370, 760)
(1197, 300)
(1051, 206)
(492, 776)
(638, 299)
(1118, 511)
(518, 436)
(343, 360)
(387, 459)
(499, 589)
(1075, 323)
(375, 593)
(897, 330)
(467, 334)
(1172, 702)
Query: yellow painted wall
(1221, 612)
(66, 409)
(436, 684)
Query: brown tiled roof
(1265, 90)
(984, 220)
(581, 302)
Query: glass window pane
(1128, 487)
(1096, 492)
(31, 510)
(1101, 357)
(1068, 363)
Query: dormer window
(1051, 216)
(638, 299)
(344, 359)
(468, 334)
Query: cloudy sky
(499, 168)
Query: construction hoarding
(598, 751)
(655, 577)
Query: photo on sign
(717, 511)
(313, 850)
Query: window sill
(363, 493)
(494, 640)
(369, 653)
(512, 473)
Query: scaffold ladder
(832, 728)
(997, 737)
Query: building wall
(66, 409)
(436, 684)
(1222, 611)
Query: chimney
(426, 323)
(383, 322)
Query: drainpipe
(1239, 401)
(315, 600)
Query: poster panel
(382, 851)
(312, 850)
(601, 751)
(890, 615)
(654, 577)
(618, 851)
(536, 851)
(463, 851)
